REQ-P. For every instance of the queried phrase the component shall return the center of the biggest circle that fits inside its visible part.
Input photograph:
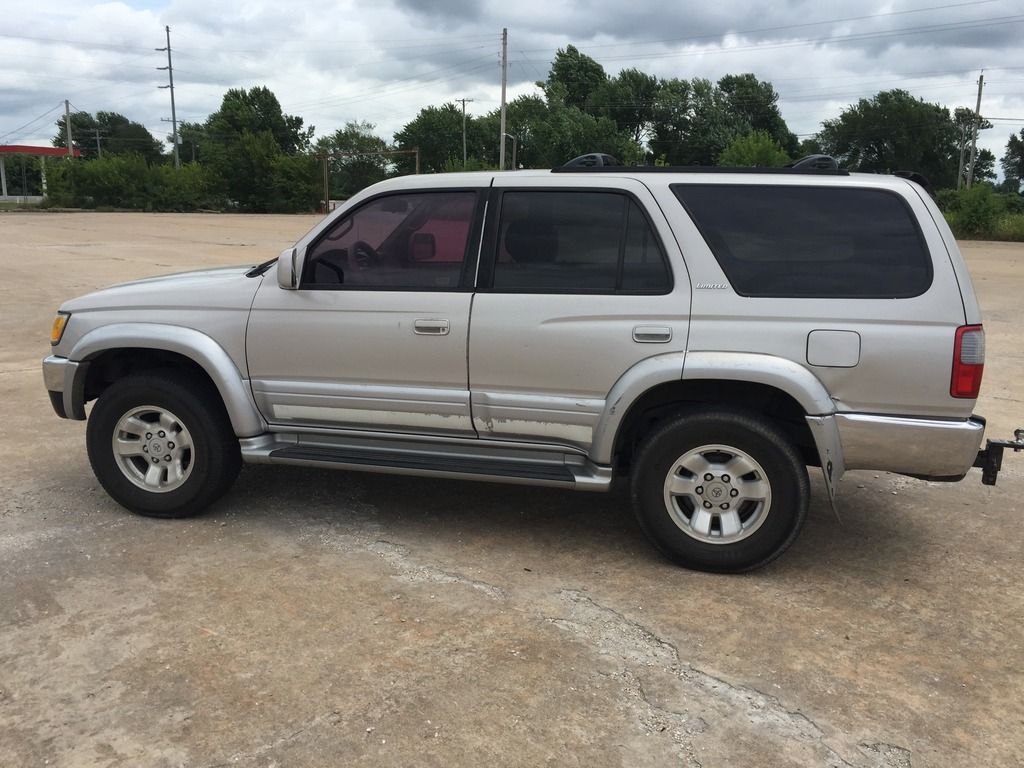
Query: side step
(456, 461)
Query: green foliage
(1012, 162)
(894, 131)
(979, 212)
(437, 131)
(350, 174)
(117, 136)
(127, 181)
(574, 79)
(755, 149)
(293, 184)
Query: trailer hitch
(990, 460)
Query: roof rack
(822, 165)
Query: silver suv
(708, 334)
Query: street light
(515, 143)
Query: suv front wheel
(720, 490)
(161, 444)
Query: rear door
(577, 285)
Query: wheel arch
(111, 351)
(764, 384)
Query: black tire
(213, 459)
(663, 516)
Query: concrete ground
(318, 618)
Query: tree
(984, 166)
(573, 78)
(351, 174)
(437, 131)
(241, 141)
(756, 149)
(629, 100)
(894, 131)
(755, 103)
(1012, 162)
(117, 136)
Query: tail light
(968, 361)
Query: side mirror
(423, 247)
(287, 269)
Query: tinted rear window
(782, 241)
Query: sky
(382, 61)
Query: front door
(375, 336)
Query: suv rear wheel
(161, 444)
(720, 490)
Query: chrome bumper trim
(932, 447)
(59, 375)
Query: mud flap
(825, 432)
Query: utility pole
(963, 149)
(977, 125)
(504, 81)
(464, 130)
(67, 126)
(170, 78)
(99, 149)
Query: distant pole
(464, 130)
(327, 183)
(3, 178)
(99, 150)
(504, 82)
(417, 150)
(67, 125)
(977, 125)
(170, 84)
(963, 148)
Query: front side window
(810, 242)
(405, 241)
(577, 242)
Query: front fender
(190, 343)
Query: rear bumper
(64, 386)
(934, 448)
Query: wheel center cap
(716, 491)
(156, 447)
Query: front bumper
(930, 448)
(65, 386)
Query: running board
(481, 462)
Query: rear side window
(577, 242)
(802, 242)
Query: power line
(45, 114)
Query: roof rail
(709, 169)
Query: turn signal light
(968, 361)
(57, 329)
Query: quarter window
(413, 241)
(577, 242)
(799, 242)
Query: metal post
(504, 81)
(515, 144)
(170, 84)
(464, 130)
(3, 178)
(417, 161)
(977, 125)
(42, 173)
(963, 148)
(67, 125)
(327, 183)
(99, 150)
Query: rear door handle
(652, 334)
(426, 327)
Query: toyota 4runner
(710, 334)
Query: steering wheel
(363, 255)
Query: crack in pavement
(633, 646)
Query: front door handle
(652, 334)
(426, 327)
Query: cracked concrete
(316, 618)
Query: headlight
(57, 330)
